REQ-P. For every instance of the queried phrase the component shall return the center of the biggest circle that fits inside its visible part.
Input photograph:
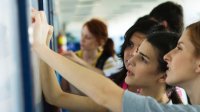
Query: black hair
(108, 51)
(170, 12)
(108, 47)
(163, 42)
(142, 26)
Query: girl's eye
(143, 59)
(178, 47)
(130, 44)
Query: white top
(112, 65)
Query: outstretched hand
(42, 31)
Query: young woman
(186, 54)
(147, 68)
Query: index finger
(43, 16)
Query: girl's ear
(197, 69)
(165, 24)
(102, 42)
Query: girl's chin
(128, 81)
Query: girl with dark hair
(170, 14)
(147, 69)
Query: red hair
(99, 29)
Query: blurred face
(143, 67)
(88, 41)
(181, 62)
(134, 42)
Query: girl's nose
(131, 61)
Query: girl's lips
(167, 71)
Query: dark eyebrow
(130, 41)
(144, 55)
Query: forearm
(96, 86)
(87, 65)
(50, 86)
(55, 96)
(95, 69)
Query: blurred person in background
(94, 37)
(170, 15)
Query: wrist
(36, 46)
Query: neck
(192, 90)
(133, 89)
(90, 55)
(157, 92)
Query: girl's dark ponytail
(173, 95)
